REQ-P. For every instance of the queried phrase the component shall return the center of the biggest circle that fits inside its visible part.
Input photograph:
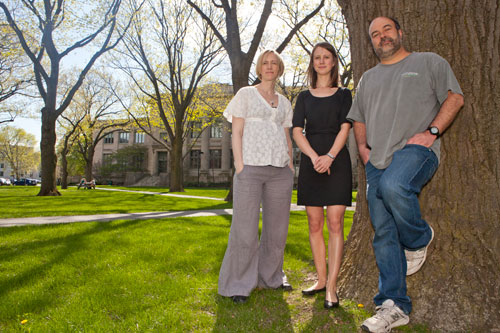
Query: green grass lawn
(151, 275)
(156, 275)
(20, 201)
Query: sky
(33, 126)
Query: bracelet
(331, 156)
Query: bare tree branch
(299, 25)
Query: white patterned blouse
(264, 141)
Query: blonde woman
(262, 151)
(325, 165)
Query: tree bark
(48, 154)
(89, 162)
(176, 183)
(64, 171)
(457, 289)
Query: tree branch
(207, 19)
(259, 31)
(37, 65)
(299, 25)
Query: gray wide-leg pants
(248, 264)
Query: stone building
(207, 156)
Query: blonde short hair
(260, 60)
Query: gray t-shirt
(399, 100)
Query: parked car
(25, 181)
(5, 181)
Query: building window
(195, 159)
(139, 137)
(138, 161)
(216, 131)
(1, 166)
(124, 137)
(162, 162)
(107, 159)
(1, 173)
(215, 158)
(108, 138)
(195, 129)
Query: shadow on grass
(33, 274)
(265, 311)
(333, 320)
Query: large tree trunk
(64, 164)
(458, 288)
(64, 170)
(89, 161)
(48, 154)
(176, 184)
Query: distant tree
(17, 149)
(99, 109)
(458, 288)
(43, 28)
(68, 126)
(167, 53)
(91, 115)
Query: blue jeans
(396, 219)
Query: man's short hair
(396, 23)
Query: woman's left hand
(322, 164)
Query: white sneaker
(388, 315)
(415, 259)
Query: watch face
(434, 130)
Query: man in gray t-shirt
(401, 107)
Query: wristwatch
(331, 156)
(434, 130)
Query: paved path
(129, 216)
(159, 193)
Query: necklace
(269, 96)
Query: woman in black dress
(325, 177)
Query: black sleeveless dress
(321, 117)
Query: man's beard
(383, 54)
